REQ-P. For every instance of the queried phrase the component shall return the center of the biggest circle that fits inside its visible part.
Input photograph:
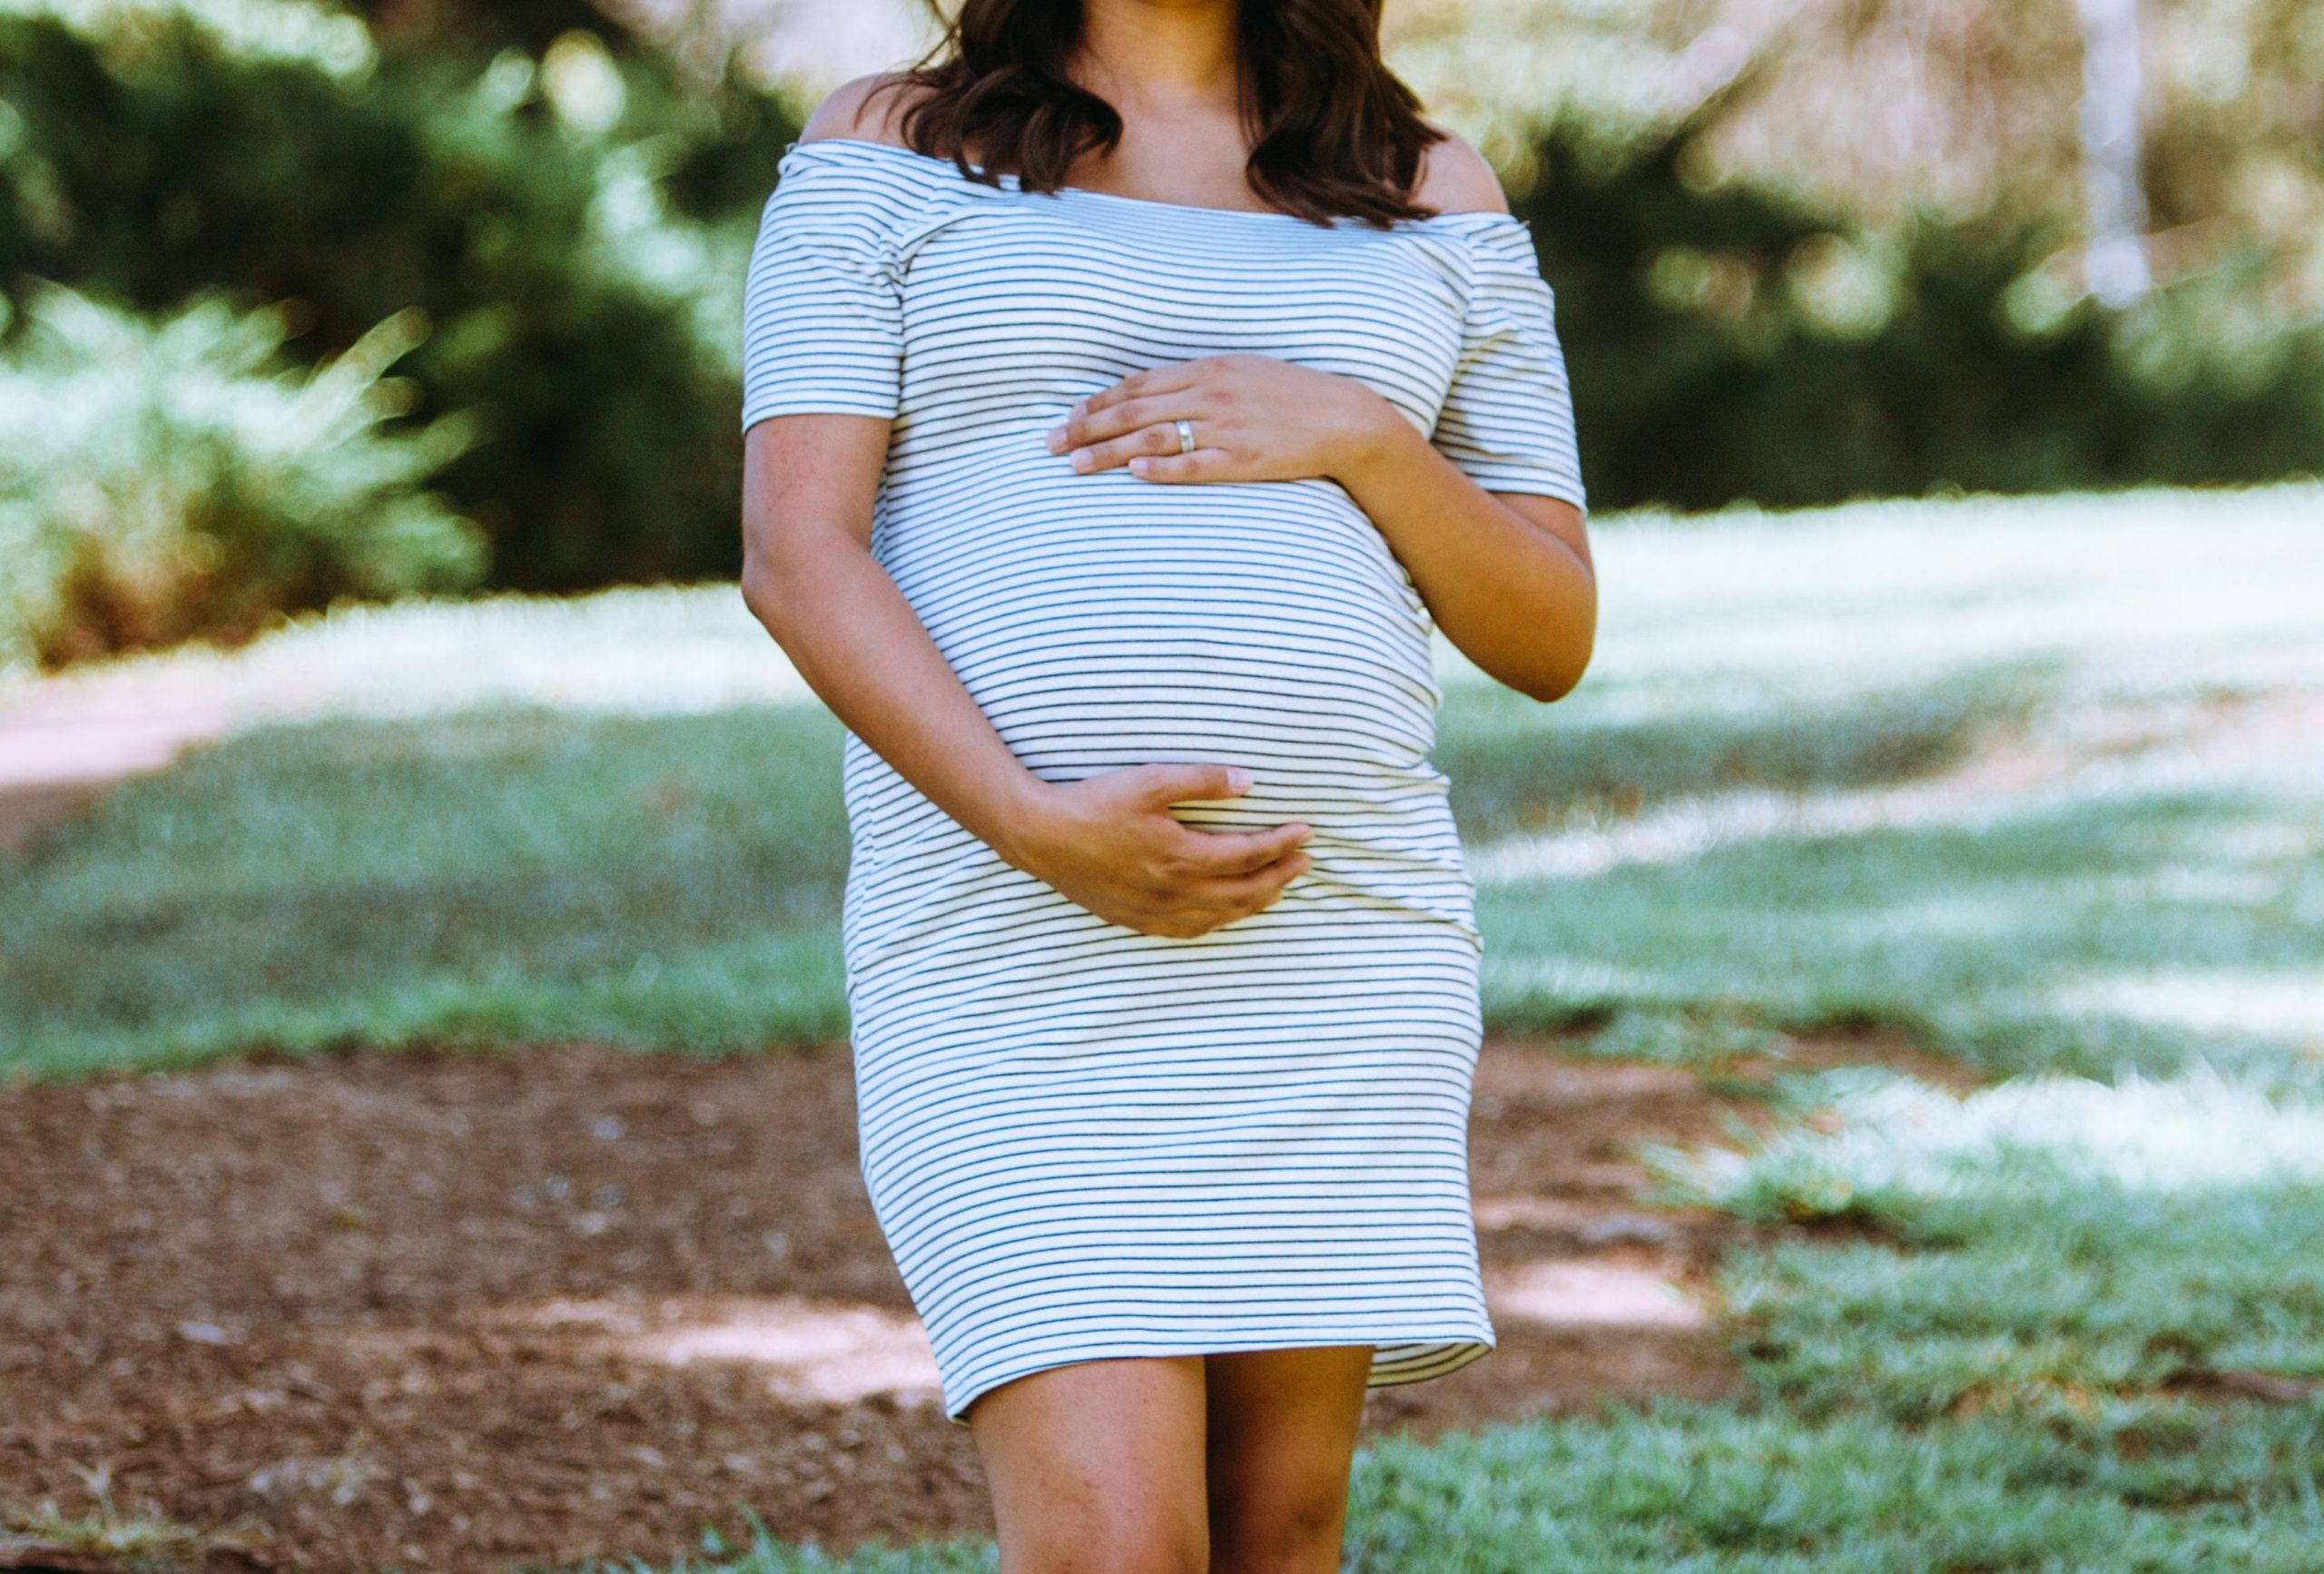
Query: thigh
(1097, 1465)
(1282, 1434)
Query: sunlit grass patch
(1873, 1144)
(2103, 590)
(2286, 1004)
(2062, 1247)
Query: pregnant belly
(1102, 621)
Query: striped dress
(1080, 1141)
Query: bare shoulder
(867, 109)
(1454, 178)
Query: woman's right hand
(1110, 843)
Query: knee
(1303, 1536)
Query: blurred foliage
(575, 226)
(469, 24)
(1745, 342)
(1891, 108)
(160, 482)
(572, 210)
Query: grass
(30, 1538)
(648, 880)
(655, 880)
(2051, 931)
(2076, 1251)
(767, 1556)
(1717, 1491)
(618, 817)
(2028, 782)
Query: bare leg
(1097, 1468)
(1281, 1437)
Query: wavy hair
(1333, 130)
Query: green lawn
(2040, 784)
(619, 816)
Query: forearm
(864, 651)
(1518, 600)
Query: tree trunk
(2115, 265)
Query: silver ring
(1186, 437)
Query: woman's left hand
(1254, 419)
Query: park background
(425, 1125)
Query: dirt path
(459, 1311)
(64, 742)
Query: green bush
(575, 225)
(1740, 342)
(160, 482)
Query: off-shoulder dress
(1081, 1141)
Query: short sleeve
(1508, 418)
(821, 307)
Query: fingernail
(1238, 778)
(1082, 459)
(1139, 465)
(1057, 438)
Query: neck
(1161, 58)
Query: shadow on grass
(1518, 766)
(2016, 938)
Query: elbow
(1544, 669)
(1554, 684)
(770, 591)
(792, 578)
(1546, 676)
(1559, 665)
(778, 558)
(762, 591)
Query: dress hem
(1450, 1356)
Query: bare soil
(469, 1310)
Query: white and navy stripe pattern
(1081, 1141)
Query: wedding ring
(1186, 437)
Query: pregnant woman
(1128, 395)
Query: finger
(1128, 415)
(1188, 923)
(1167, 378)
(1241, 894)
(1173, 782)
(1119, 451)
(1199, 464)
(1075, 430)
(1228, 854)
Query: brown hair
(1333, 130)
